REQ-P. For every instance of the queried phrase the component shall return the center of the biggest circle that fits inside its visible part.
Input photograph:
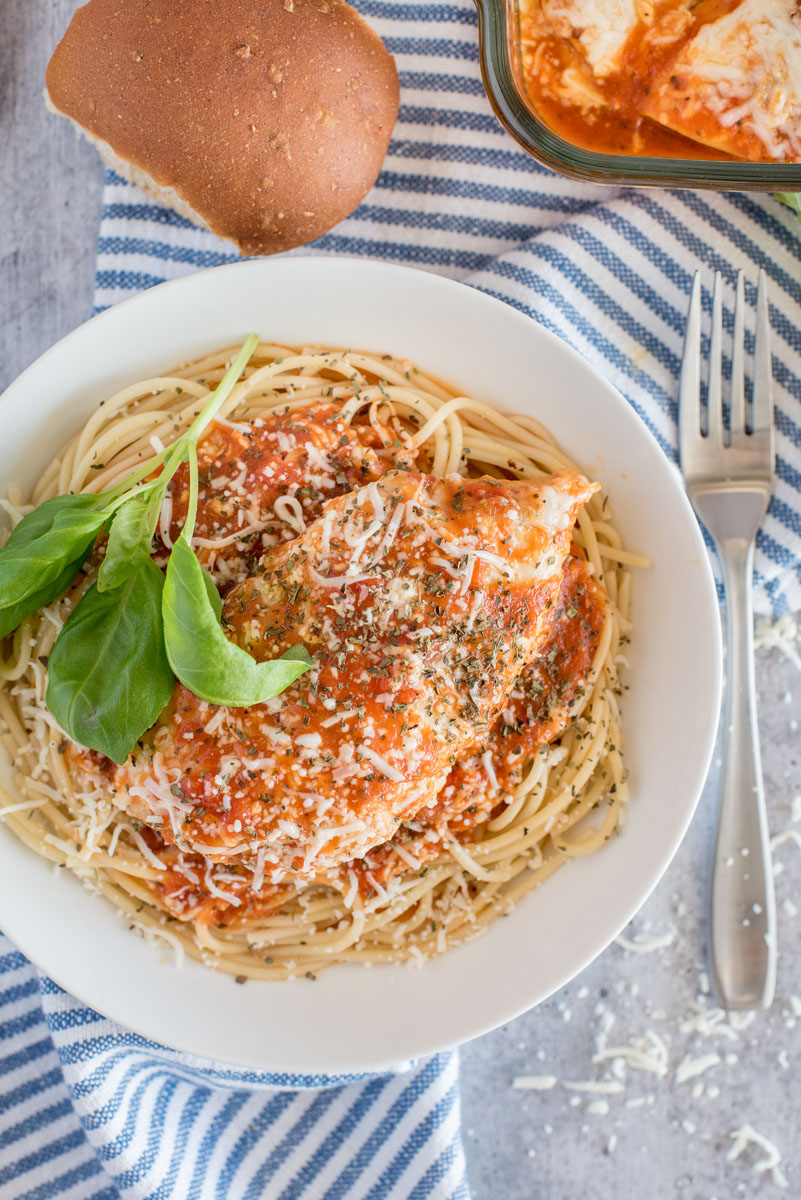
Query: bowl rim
(496, 41)
(462, 1029)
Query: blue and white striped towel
(91, 1111)
(88, 1110)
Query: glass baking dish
(499, 39)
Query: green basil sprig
(112, 668)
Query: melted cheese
(408, 683)
(737, 84)
(601, 28)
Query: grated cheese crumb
(534, 1083)
(690, 1068)
(747, 1135)
(645, 943)
(781, 635)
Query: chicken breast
(736, 85)
(546, 697)
(262, 481)
(421, 600)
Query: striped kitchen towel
(89, 1110)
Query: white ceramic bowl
(352, 1019)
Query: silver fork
(730, 481)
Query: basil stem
(223, 390)
(194, 488)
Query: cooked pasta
(542, 782)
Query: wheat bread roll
(264, 120)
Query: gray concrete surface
(647, 1135)
(50, 182)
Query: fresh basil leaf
(40, 520)
(31, 565)
(108, 674)
(214, 595)
(26, 532)
(11, 618)
(792, 200)
(129, 543)
(298, 653)
(213, 668)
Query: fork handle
(743, 907)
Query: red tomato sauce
(541, 706)
(616, 126)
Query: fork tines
(741, 434)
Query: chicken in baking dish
(713, 79)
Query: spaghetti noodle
(546, 785)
